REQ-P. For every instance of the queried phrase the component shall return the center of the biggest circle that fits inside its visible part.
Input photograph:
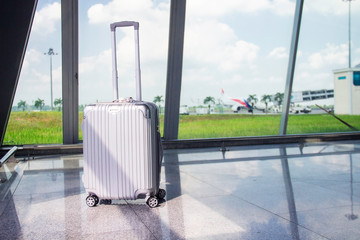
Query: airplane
(242, 103)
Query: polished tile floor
(309, 191)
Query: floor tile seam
(261, 158)
(283, 217)
(317, 209)
(206, 182)
(199, 179)
(322, 185)
(78, 233)
(47, 193)
(264, 209)
(322, 180)
(44, 172)
(239, 178)
(14, 191)
(212, 196)
(304, 211)
(279, 216)
(238, 197)
(138, 216)
(330, 190)
(230, 193)
(257, 206)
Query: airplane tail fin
(248, 105)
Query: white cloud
(329, 7)
(315, 70)
(309, 80)
(47, 19)
(35, 83)
(332, 55)
(316, 60)
(216, 53)
(122, 9)
(153, 36)
(212, 8)
(96, 63)
(279, 53)
(240, 53)
(154, 24)
(117, 10)
(283, 7)
(218, 49)
(32, 56)
(34, 80)
(224, 47)
(356, 59)
(206, 52)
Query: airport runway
(314, 111)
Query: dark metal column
(291, 66)
(174, 69)
(70, 86)
(16, 17)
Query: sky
(240, 46)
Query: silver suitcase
(121, 141)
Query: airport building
(311, 95)
(347, 90)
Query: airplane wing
(236, 101)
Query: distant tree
(81, 107)
(158, 100)
(253, 100)
(21, 104)
(209, 100)
(58, 102)
(266, 99)
(279, 98)
(39, 103)
(220, 104)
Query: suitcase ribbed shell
(121, 157)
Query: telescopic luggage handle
(124, 24)
(113, 27)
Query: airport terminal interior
(278, 187)
(285, 191)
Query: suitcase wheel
(96, 199)
(92, 200)
(161, 194)
(152, 202)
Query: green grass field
(234, 125)
(46, 127)
(34, 128)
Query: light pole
(351, 216)
(50, 53)
(349, 30)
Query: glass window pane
(235, 62)
(39, 88)
(323, 50)
(95, 69)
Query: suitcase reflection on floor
(161, 202)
